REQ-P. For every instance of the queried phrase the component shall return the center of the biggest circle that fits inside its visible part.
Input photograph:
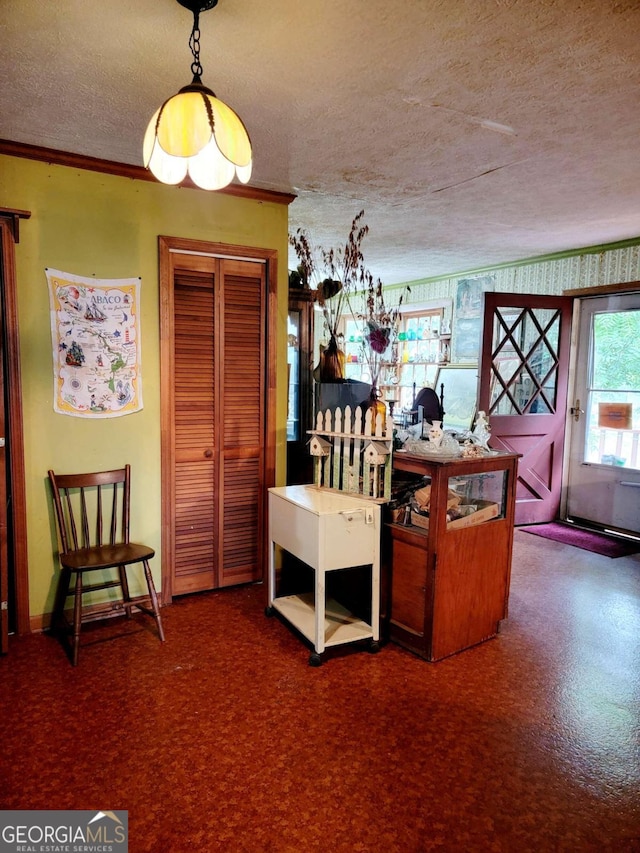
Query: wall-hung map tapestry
(95, 327)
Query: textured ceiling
(471, 132)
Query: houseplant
(380, 322)
(333, 273)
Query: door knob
(208, 453)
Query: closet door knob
(208, 453)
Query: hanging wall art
(95, 329)
(468, 316)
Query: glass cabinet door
(299, 385)
(293, 368)
(476, 498)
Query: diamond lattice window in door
(524, 361)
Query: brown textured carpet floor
(224, 739)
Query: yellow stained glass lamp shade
(194, 133)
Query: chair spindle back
(81, 506)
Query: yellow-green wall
(91, 224)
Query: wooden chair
(85, 505)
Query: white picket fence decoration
(341, 462)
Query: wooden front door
(524, 374)
(215, 435)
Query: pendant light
(194, 132)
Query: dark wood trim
(605, 289)
(218, 419)
(14, 216)
(218, 250)
(271, 383)
(15, 428)
(167, 436)
(126, 170)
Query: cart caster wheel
(315, 660)
(374, 647)
(269, 611)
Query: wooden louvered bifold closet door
(242, 422)
(195, 512)
(218, 423)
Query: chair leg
(124, 583)
(58, 621)
(154, 598)
(77, 618)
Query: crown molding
(125, 170)
(537, 259)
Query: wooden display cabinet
(448, 584)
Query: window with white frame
(423, 345)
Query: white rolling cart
(328, 531)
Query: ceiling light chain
(196, 6)
(194, 44)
